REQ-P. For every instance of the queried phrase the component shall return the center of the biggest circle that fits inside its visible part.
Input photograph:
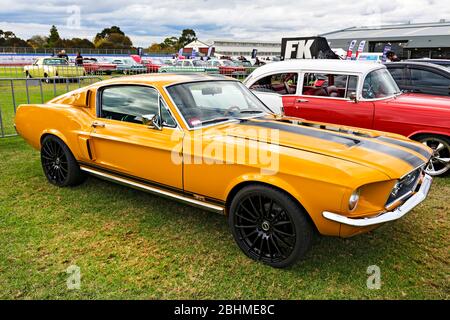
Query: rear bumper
(398, 213)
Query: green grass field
(131, 245)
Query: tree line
(108, 38)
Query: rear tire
(59, 165)
(440, 162)
(269, 226)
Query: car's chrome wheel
(58, 163)
(269, 226)
(440, 162)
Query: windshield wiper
(251, 111)
(216, 120)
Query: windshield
(56, 62)
(228, 63)
(379, 84)
(208, 102)
(199, 63)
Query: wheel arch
(52, 132)
(284, 188)
(417, 134)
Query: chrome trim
(398, 213)
(399, 199)
(168, 194)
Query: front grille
(405, 187)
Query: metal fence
(15, 91)
(19, 87)
(49, 51)
(107, 69)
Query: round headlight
(353, 201)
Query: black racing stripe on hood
(349, 142)
(400, 154)
(404, 144)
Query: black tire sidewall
(303, 229)
(75, 176)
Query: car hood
(381, 151)
(421, 100)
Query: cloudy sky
(151, 21)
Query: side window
(280, 83)
(130, 103)
(398, 74)
(427, 78)
(329, 85)
(352, 86)
(186, 64)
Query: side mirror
(353, 97)
(153, 121)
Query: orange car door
(121, 143)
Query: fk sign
(302, 49)
(306, 48)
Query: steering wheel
(230, 109)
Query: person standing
(79, 59)
(392, 57)
(63, 55)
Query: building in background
(235, 48)
(424, 40)
(198, 46)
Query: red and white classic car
(357, 94)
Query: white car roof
(327, 65)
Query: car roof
(428, 64)
(430, 60)
(164, 78)
(328, 65)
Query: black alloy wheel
(269, 226)
(58, 163)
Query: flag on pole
(350, 49)
(386, 49)
(210, 49)
(361, 47)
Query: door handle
(302, 100)
(97, 124)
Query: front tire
(59, 165)
(269, 226)
(440, 162)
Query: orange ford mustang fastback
(209, 142)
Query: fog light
(353, 201)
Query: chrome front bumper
(409, 204)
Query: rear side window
(280, 83)
(420, 77)
(130, 103)
(329, 85)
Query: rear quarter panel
(70, 124)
